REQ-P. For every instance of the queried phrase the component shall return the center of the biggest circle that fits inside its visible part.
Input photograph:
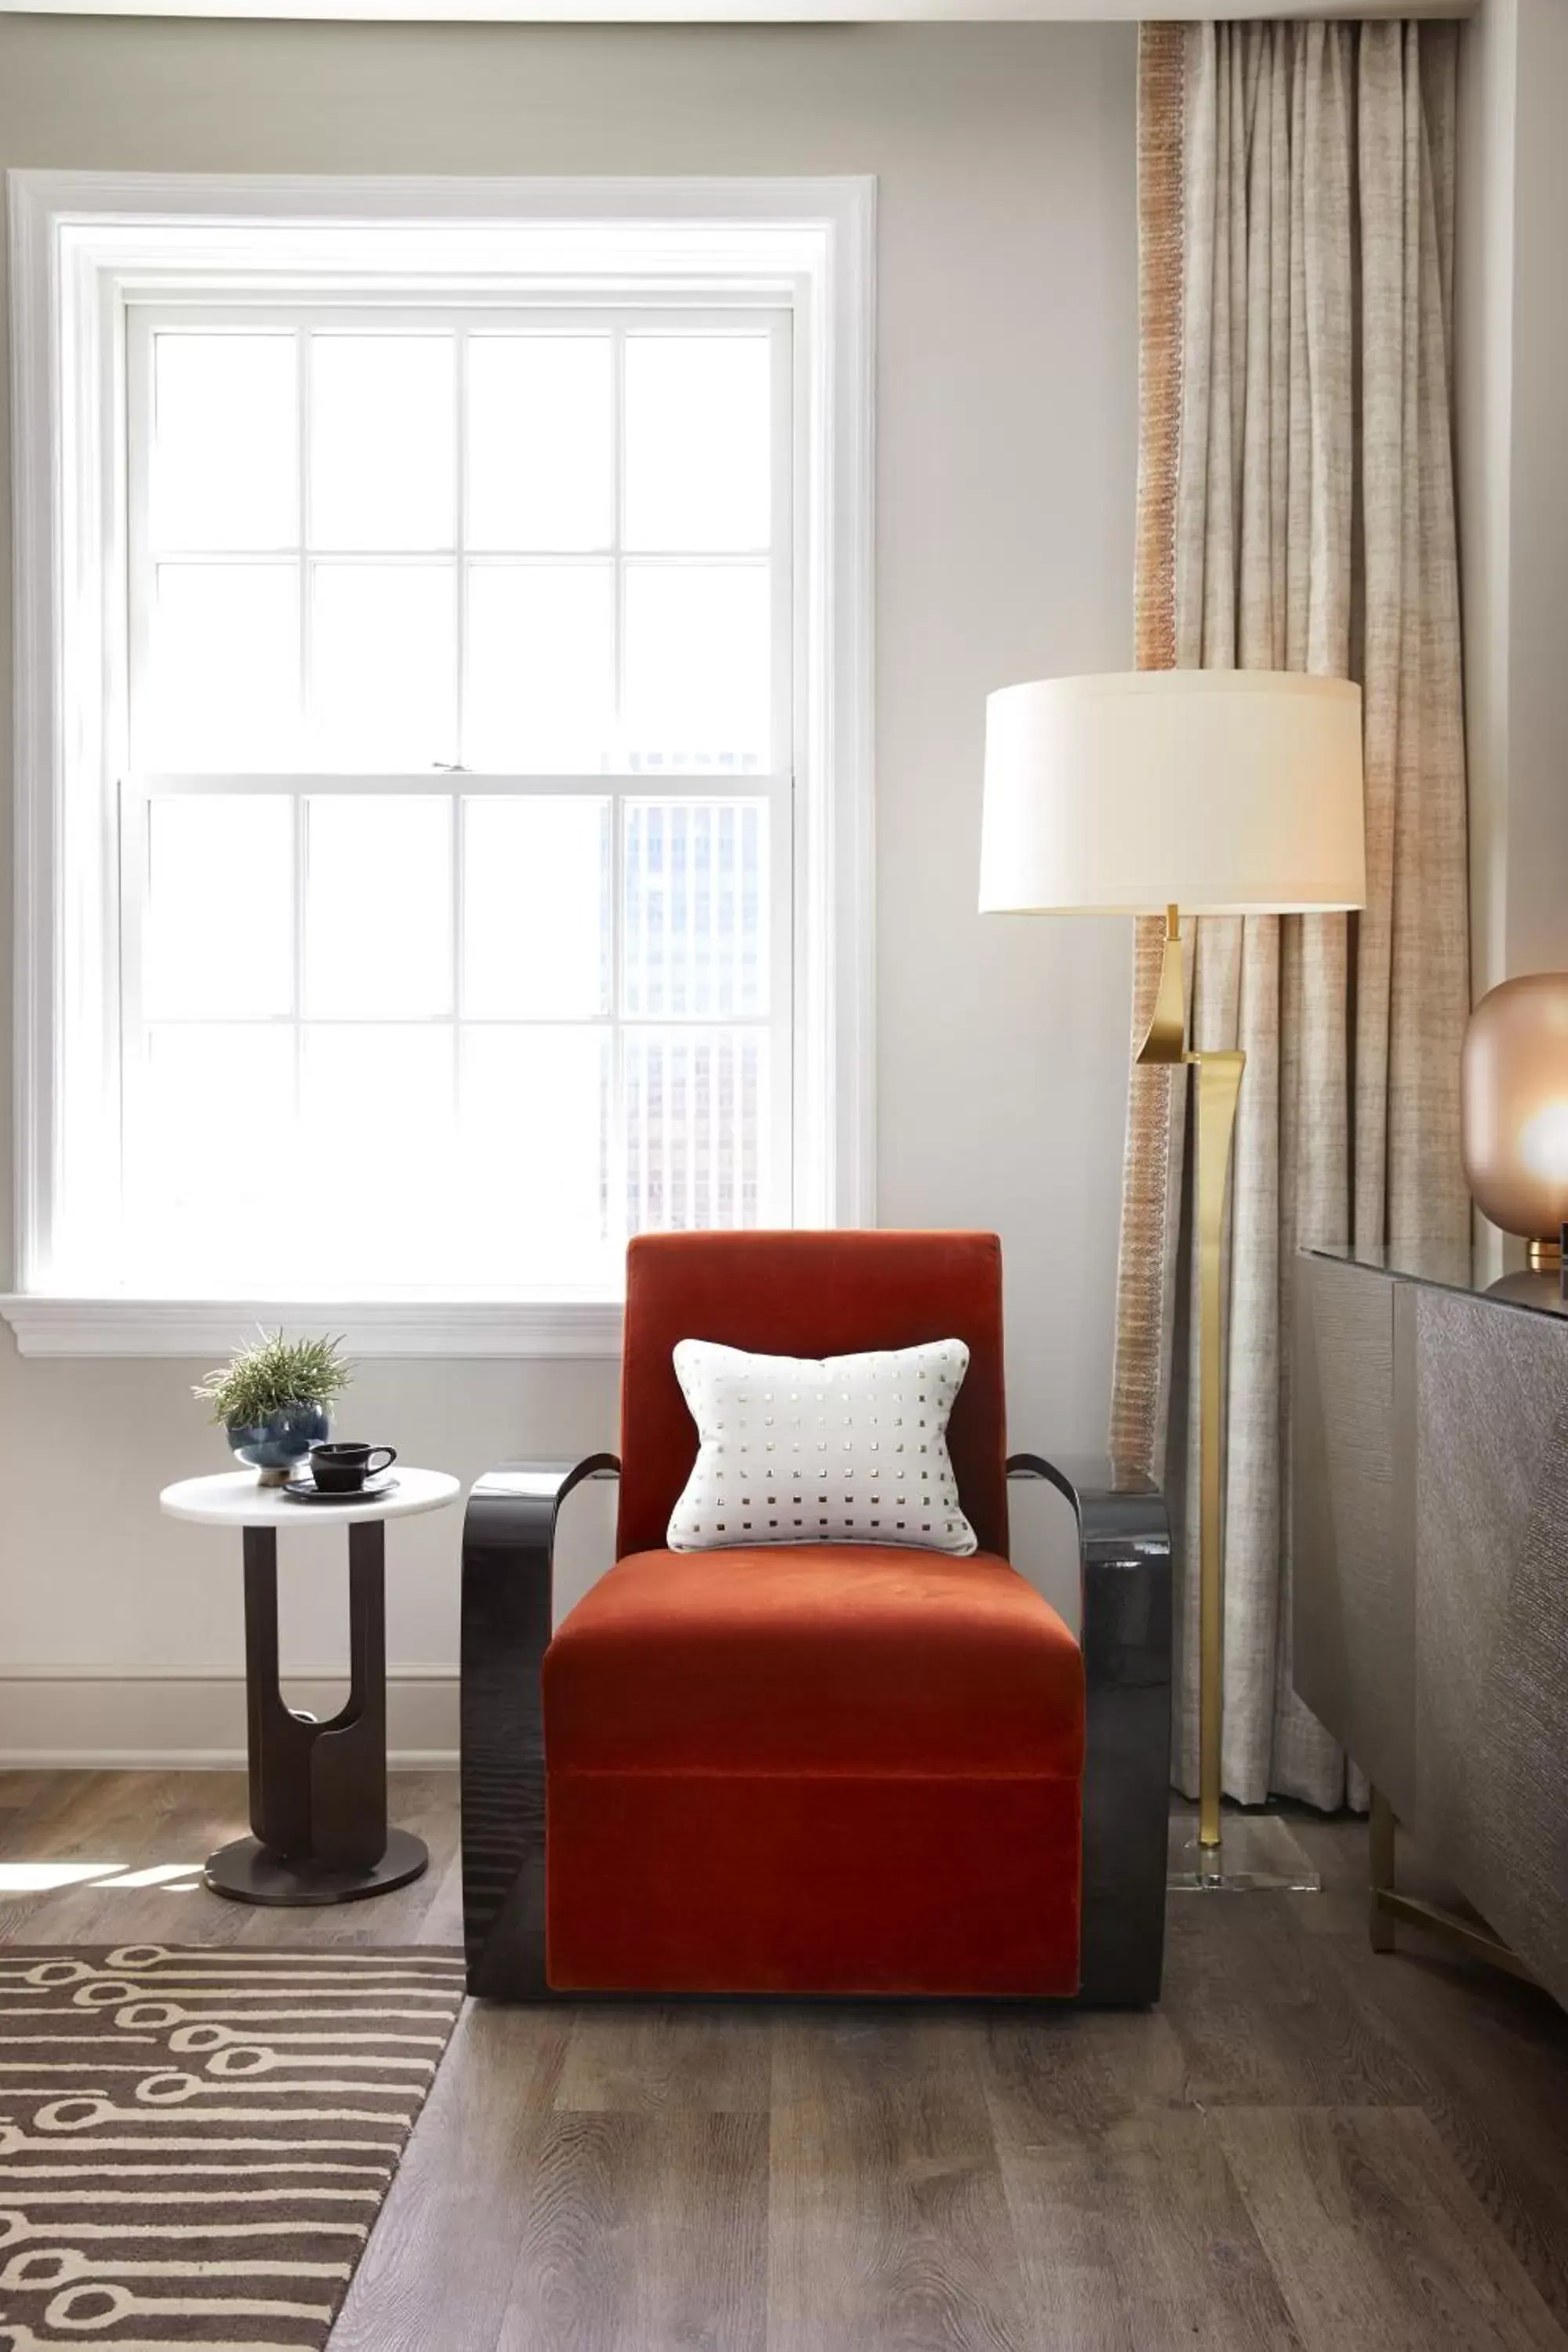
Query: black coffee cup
(341, 1467)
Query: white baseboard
(183, 1718)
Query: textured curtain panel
(1295, 511)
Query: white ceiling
(750, 12)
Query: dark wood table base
(318, 1790)
(247, 1872)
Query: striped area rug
(194, 2144)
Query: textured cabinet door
(1353, 1607)
(1491, 1798)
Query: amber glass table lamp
(1172, 792)
(1513, 1110)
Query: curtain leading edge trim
(1135, 1415)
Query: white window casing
(96, 262)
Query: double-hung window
(442, 872)
(456, 836)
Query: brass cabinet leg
(1386, 1905)
(1380, 1871)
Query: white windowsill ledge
(211, 1328)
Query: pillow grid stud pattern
(841, 1449)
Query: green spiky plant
(272, 1373)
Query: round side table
(318, 1790)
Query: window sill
(210, 1328)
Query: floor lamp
(1171, 792)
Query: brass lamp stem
(1166, 1035)
(1219, 1086)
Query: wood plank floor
(1305, 2145)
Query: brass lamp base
(1544, 1258)
(1221, 1860)
(1256, 1854)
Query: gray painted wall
(1513, 361)
(1511, 419)
(1006, 410)
(1538, 501)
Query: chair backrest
(807, 1294)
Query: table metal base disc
(247, 1872)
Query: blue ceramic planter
(285, 1437)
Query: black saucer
(305, 1490)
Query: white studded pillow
(834, 1449)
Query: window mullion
(458, 830)
(302, 558)
(459, 856)
(618, 460)
(300, 804)
(785, 970)
(620, 1131)
(302, 814)
(616, 1222)
(461, 527)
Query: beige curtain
(1295, 511)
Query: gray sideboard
(1430, 1620)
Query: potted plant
(273, 1400)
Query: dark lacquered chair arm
(512, 1507)
(508, 1608)
(1093, 1474)
(1122, 1514)
(1124, 1565)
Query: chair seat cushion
(830, 1658)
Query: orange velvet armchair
(813, 1769)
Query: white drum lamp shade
(1220, 792)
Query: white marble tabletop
(234, 1499)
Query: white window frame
(81, 247)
